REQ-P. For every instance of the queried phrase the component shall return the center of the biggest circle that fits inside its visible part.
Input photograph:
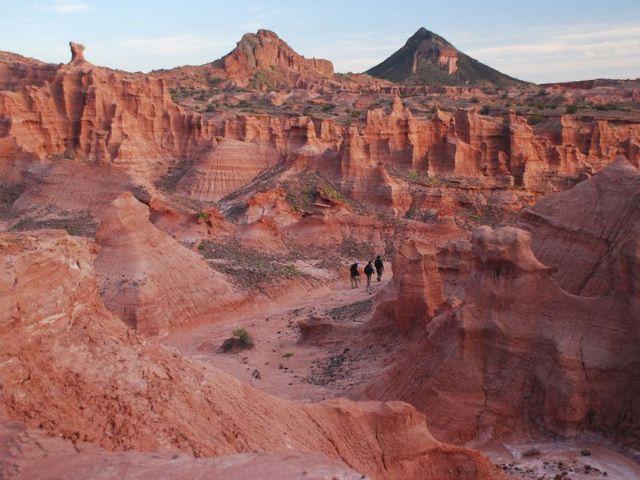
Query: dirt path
(279, 363)
(284, 366)
(563, 460)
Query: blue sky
(539, 40)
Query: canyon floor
(282, 363)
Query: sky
(539, 41)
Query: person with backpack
(379, 267)
(368, 271)
(354, 274)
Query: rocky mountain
(261, 60)
(429, 59)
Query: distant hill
(429, 59)
(263, 61)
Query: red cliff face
(417, 281)
(148, 279)
(521, 353)
(97, 115)
(66, 351)
(260, 53)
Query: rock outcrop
(522, 355)
(262, 61)
(264, 57)
(96, 115)
(417, 281)
(428, 59)
(225, 168)
(73, 369)
(600, 215)
(151, 281)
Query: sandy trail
(279, 363)
(283, 366)
(563, 460)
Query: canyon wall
(521, 354)
(73, 369)
(97, 115)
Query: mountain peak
(429, 59)
(266, 57)
(422, 33)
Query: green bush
(243, 337)
(571, 109)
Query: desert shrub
(243, 336)
(287, 355)
(331, 193)
(532, 452)
(475, 100)
(535, 119)
(214, 81)
(485, 110)
(239, 340)
(571, 109)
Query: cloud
(67, 7)
(565, 53)
(536, 53)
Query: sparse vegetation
(243, 336)
(239, 340)
(79, 224)
(531, 452)
(251, 269)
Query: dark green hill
(428, 59)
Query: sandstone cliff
(521, 354)
(73, 369)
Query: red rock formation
(98, 115)
(257, 53)
(600, 214)
(226, 168)
(151, 281)
(17, 71)
(522, 354)
(73, 369)
(417, 281)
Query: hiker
(368, 271)
(355, 275)
(379, 267)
